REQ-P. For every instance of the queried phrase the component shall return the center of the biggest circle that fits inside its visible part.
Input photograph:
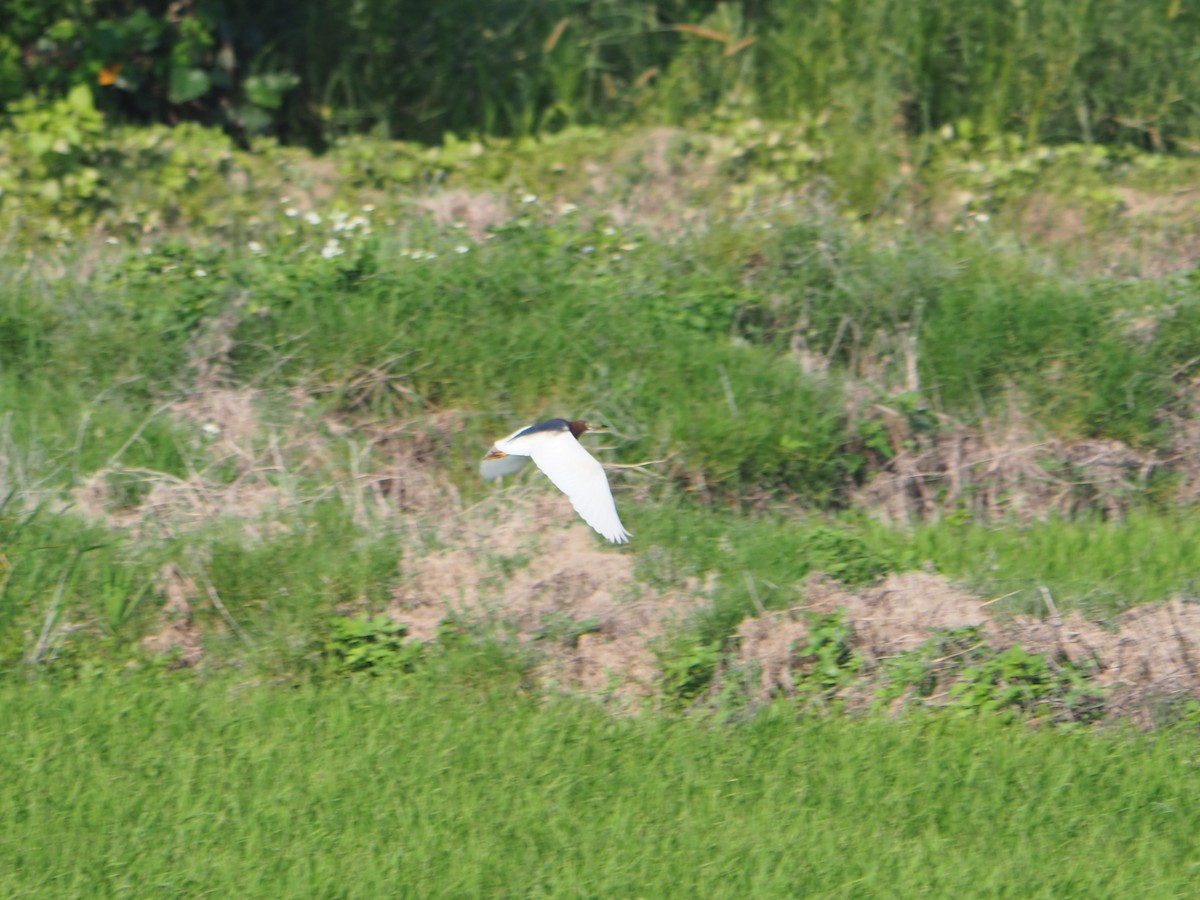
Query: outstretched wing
(577, 474)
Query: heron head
(581, 426)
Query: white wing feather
(492, 469)
(577, 474)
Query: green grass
(143, 787)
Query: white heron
(554, 447)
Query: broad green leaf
(187, 84)
(268, 90)
(80, 99)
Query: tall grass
(1048, 70)
(427, 787)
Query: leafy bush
(55, 151)
(199, 61)
(1015, 682)
(828, 658)
(687, 663)
(869, 72)
(371, 644)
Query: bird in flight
(554, 447)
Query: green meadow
(894, 326)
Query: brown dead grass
(226, 436)
(1141, 234)
(660, 180)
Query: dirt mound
(896, 615)
(899, 613)
(516, 567)
(1153, 653)
(1149, 655)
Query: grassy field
(435, 787)
(242, 401)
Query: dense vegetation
(1048, 70)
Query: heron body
(554, 447)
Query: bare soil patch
(176, 632)
(476, 211)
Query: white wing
(577, 474)
(491, 469)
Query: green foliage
(930, 667)
(374, 645)
(70, 593)
(1015, 682)
(1103, 567)
(55, 152)
(563, 628)
(687, 664)
(867, 72)
(201, 62)
(828, 657)
(843, 555)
